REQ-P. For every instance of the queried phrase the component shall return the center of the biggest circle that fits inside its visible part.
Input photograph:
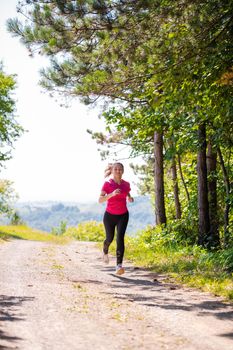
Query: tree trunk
(203, 204)
(175, 188)
(212, 192)
(182, 178)
(227, 205)
(160, 215)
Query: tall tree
(228, 198)
(212, 191)
(203, 203)
(160, 215)
(175, 187)
(10, 130)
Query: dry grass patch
(27, 233)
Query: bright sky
(56, 159)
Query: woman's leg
(109, 224)
(121, 228)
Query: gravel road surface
(63, 297)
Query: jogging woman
(115, 192)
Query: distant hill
(47, 215)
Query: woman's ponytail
(108, 170)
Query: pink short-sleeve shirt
(117, 204)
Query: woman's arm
(104, 196)
(130, 199)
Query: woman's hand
(130, 199)
(104, 196)
(115, 192)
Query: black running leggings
(110, 222)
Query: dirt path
(63, 297)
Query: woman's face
(117, 170)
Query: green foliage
(16, 220)
(87, 231)
(7, 198)
(225, 260)
(60, 230)
(10, 130)
(169, 62)
(176, 234)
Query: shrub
(60, 230)
(87, 231)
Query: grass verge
(191, 265)
(27, 233)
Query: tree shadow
(227, 335)
(87, 281)
(156, 291)
(9, 312)
(207, 305)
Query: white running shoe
(105, 258)
(120, 270)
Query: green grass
(27, 233)
(191, 265)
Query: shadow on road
(10, 312)
(153, 290)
